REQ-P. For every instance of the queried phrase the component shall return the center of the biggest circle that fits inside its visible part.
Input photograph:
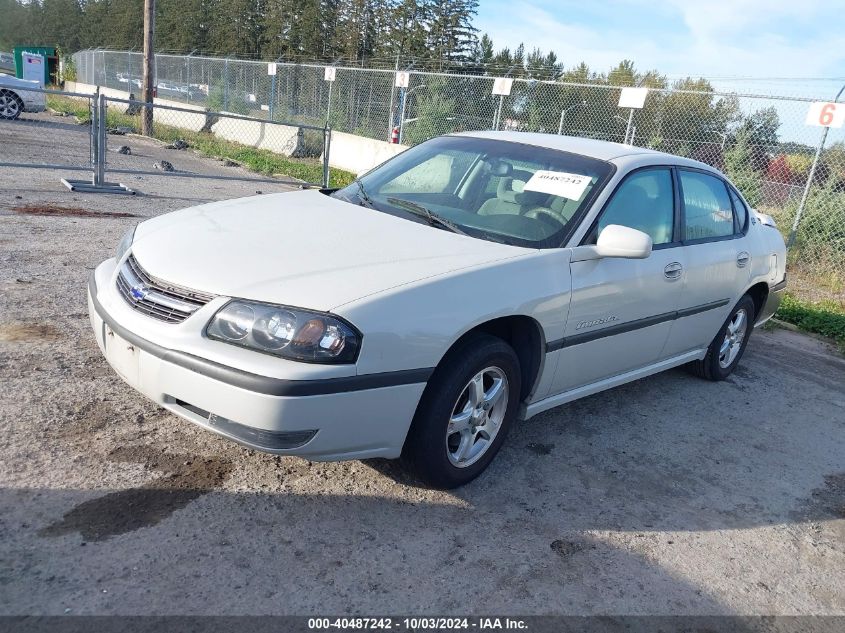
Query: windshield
(490, 189)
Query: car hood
(302, 249)
(16, 82)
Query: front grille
(156, 298)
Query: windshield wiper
(428, 214)
(365, 199)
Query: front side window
(496, 190)
(707, 208)
(437, 174)
(644, 201)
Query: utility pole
(147, 88)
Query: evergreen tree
(451, 33)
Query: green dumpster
(51, 61)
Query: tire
(447, 460)
(718, 364)
(11, 105)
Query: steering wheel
(547, 215)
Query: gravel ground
(671, 495)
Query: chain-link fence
(29, 137)
(762, 142)
(99, 135)
(258, 147)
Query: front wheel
(10, 105)
(727, 348)
(465, 413)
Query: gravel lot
(670, 495)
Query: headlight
(125, 243)
(287, 332)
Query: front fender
(413, 326)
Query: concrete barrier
(173, 118)
(353, 153)
(280, 139)
(359, 153)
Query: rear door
(622, 309)
(718, 258)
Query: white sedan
(472, 281)
(17, 95)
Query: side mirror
(616, 241)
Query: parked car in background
(178, 91)
(7, 62)
(472, 281)
(129, 81)
(15, 98)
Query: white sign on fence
(271, 68)
(826, 114)
(632, 97)
(330, 73)
(502, 86)
(402, 79)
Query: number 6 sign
(826, 114)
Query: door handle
(742, 259)
(673, 270)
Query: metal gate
(37, 139)
(256, 149)
(250, 148)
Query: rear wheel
(465, 413)
(11, 105)
(727, 348)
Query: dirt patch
(14, 332)
(564, 548)
(184, 478)
(76, 212)
(539, 448)
(827, 501)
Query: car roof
(602, 150)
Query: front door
(622, 309)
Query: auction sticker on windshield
(558, 183)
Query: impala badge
(595, 322)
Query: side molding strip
(630, 326)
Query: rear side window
(740, 211)
(645, 202)
(708, 212)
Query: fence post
(92, 134)
(101, 141)
(329, 107)
(272, 103)
(403, 100)
(794, 231)
(327, 144)
(497, 117)
(391, 117)
(628, 127)
(226, 84)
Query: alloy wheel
(734, 335)
(9, 106)
(477, 417)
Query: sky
(736, 43)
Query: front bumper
(345, 417)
